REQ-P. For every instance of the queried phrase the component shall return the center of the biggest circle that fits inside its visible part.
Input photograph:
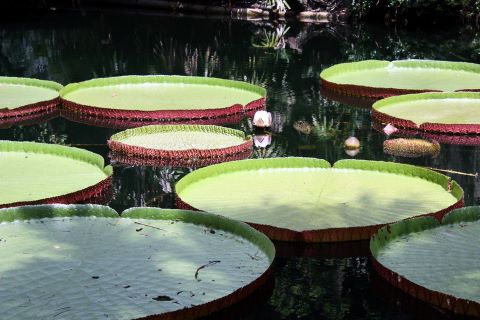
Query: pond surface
(329, 281)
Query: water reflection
(69, 47)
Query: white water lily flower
(262, 119)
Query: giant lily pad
(304, 199)
(155, 99)
(377, 79)
(437, 262)
(85, 262)
(24, 100)
(44, 173)
(456, 113)
(186, 145)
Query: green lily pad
(154, 93)
(37, 172)
(458, 108)
(308, 200)
(411, 75)
(20, 92)
(179, 144)
(425, 257)
(180, 137)
(86, 262)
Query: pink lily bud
(262, 140)
(352, 143)
(262, 119)
(389, 129)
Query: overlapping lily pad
(179, 145)
(437, 262)
(131, 101)
(26, 100)
(34, 173)
(455, 113)
(86, 262)
(302, 199)
(379, 79)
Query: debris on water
(212, 231)
(190, 292)
(147, 225)
(162, 298)
(139, 229)
(126, 287)
(95, 277)
(210, 263)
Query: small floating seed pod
(411, 148)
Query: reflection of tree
(319, 288)
(137, 186)
(52, 131)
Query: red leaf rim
(459, 129)
(439, 299)
(29, 113)
(73, 110)
(369, 92)
(124, 159)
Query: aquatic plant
(206, 263)
(417, 256)
(357, 196)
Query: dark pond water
(329, 282)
